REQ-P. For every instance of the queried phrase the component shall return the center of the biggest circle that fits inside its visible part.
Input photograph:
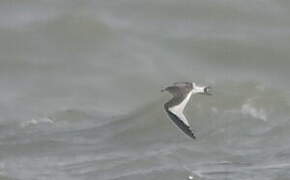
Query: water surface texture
(80, 89)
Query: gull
(181, 92)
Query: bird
(181, 92)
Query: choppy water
(80, 89)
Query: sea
(80, 89)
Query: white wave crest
(258, 113)
(34, 121)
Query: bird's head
(204, 90)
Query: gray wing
(177, 91)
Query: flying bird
(181, 92)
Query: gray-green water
(80, 89)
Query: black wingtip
(192, 136)
(186, 129)
(190, 133)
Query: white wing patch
(178, 109)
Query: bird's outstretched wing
(183, 125)
(174, 109)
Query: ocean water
(80, 89)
